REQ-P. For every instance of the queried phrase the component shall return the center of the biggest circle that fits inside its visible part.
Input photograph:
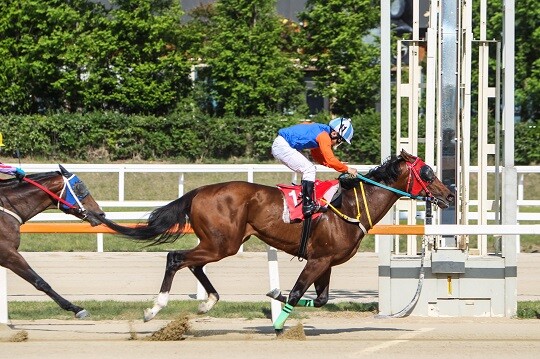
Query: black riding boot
(308, 205)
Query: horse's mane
(12, 182)
(387, 173)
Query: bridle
(425, 171)
(415, 182)
(420, 176)
(75, 191)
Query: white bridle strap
(13, 214)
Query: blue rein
(391, 189)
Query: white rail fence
(249, 170)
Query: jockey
(319, 139)
(13, 171)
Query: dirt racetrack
(136, 276)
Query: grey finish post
(509, 205)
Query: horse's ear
(406, 156)
(64, 172)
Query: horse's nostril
(450, 197)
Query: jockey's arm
(10, 170)
(325, 155)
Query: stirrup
(311, 209)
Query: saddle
(325, 192)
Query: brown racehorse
(21, 200)
(224, 215)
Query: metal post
(448, 105)
(509, 205)
(383, 244)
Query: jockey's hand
(352, 172)
(19, 173)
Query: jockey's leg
(309, 204)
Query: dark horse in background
(225, 215)
(21, 200)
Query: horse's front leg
(313, 270)
(18, 265)
(322, 285)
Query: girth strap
(357, 219)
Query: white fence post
(3, 296)
(121, 185)
(273, 273)
(100, 242)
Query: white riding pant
(293, 159)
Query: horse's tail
(165, 224)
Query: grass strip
(115, 310)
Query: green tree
(347, 66)
(136, 59)
(527, 48)
(250, 74)
(39, 70)
(528, 59)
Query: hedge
(192, 138)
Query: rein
(44, 189)
(49, 192)
(391, 189)
(412, 172)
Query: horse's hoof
(274, 293)
(203, 308)
(279, 332)
(82, 314)
(148, 315)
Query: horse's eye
(426, 174)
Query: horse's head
(75, 199)
(423, 182)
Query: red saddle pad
(293, 196)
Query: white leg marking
(159, 303)
(204, 307)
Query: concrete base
(479, 290)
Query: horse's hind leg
(175, 261)
(173, 264)
(18, 265)
(213, 296)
